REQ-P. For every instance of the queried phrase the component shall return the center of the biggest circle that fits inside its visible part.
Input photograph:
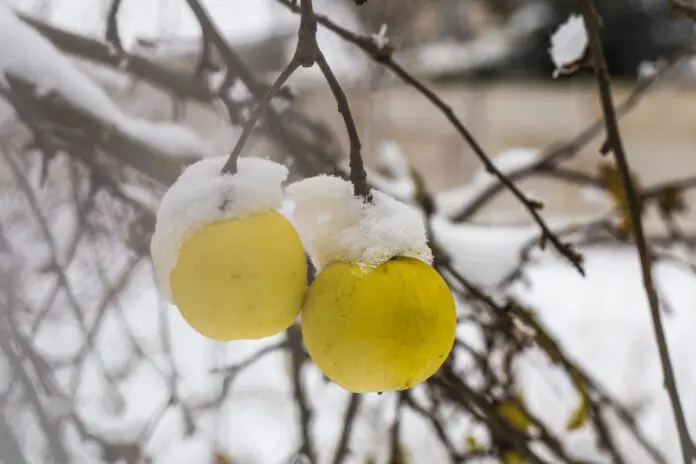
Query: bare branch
(383, 55)
(615, 145)
(230, 166)
(342, 449)
(11, 450)
(51, 429)
(395, 451)
(554, 155)
(112, 35)
(298, 357)
(358, 176)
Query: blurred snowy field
(602, 320)
(144, 352)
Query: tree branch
(297, 359)
(342, 450)
(230, 166)
(358, 176)
(615, 145)
(383, 56)
(112, 35)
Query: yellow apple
(374, 329)
(240, 278)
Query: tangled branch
(509, 329)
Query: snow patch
(482, 254)
(568, 44)
(34, 59)
(508, 162)
(335, 225)
(202, 194)
(176, 140)
(188, 450)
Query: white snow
(34, 59)
(335, 225)
(495, 252)
(647, 69)
(195, 199)
(568, 43)
(508, 162)
(381, 39)
(187, 451)
(394, 176)
(176, 140)
(391, 157)
(174, 29)
(241, 20)
(604, 322)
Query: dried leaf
(582, 413)
(401, 455)
(513, 413)
(471, 444)
(220, 458)
(611, 180)
(512, 457)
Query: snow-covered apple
(377, 317)
(233, 266)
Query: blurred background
(96, 367)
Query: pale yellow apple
(374, 329)
(241, 278)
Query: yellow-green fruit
(241, 278)
(378, 329)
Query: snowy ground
(603, 321)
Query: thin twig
(383, 56)
(342, 450)
(112, 35)
(553, 155)
(51, 429)
(294, 340)
(230, 166)
(395, 450)
(358, 176)
(615, 145)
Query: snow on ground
(605, 324)
(602, 319)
